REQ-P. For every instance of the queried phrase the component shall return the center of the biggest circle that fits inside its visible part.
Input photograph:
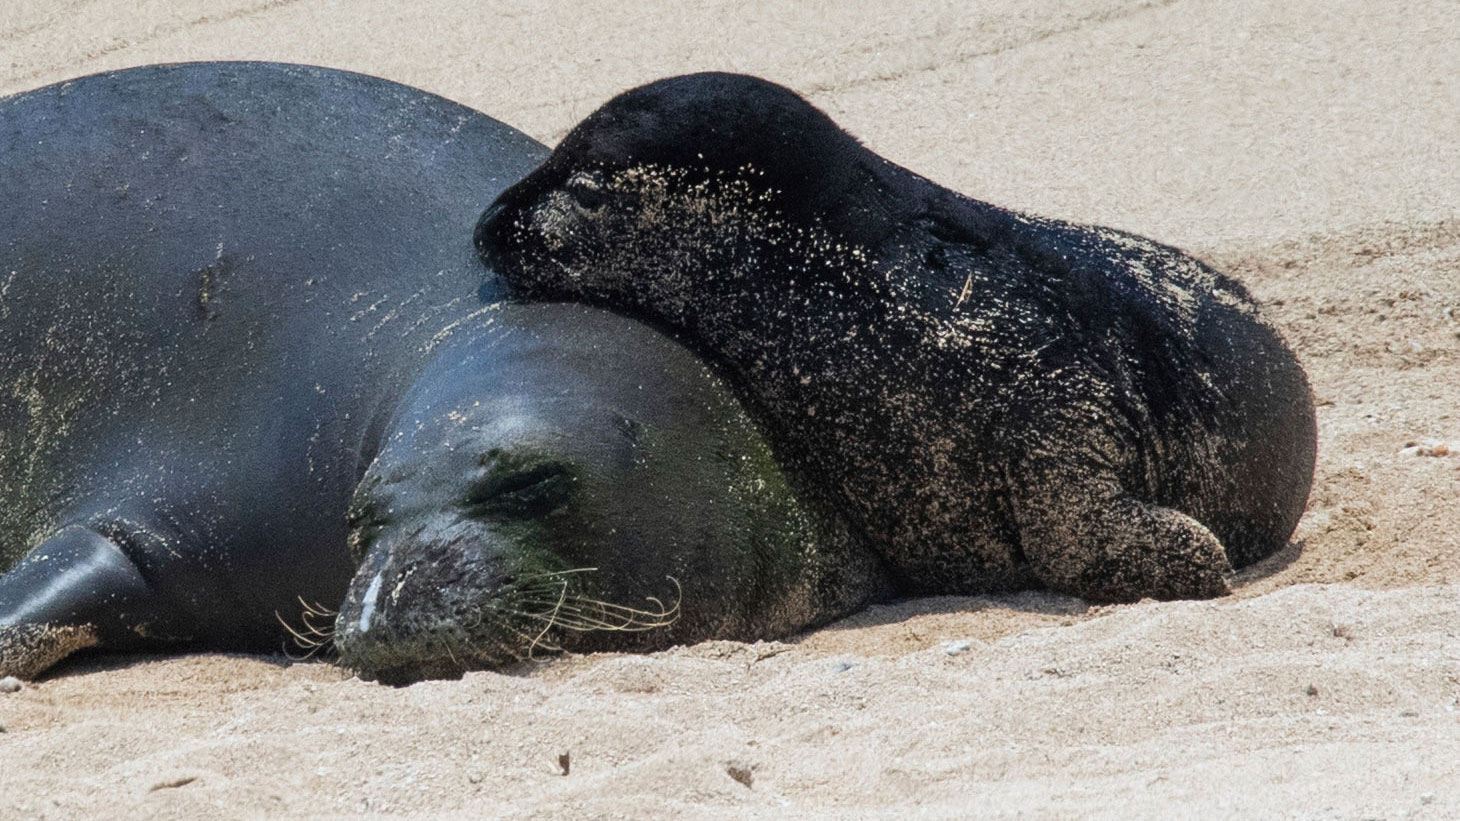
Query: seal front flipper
(77, 589)
(1090, 538)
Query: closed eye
(523, 493)
(590, 193)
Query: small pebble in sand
(173, 783)
(953, 648)
(1426, 447)
(739, 771)
(10, 684)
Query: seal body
(220, 287)
(996, 400)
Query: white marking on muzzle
(367, 605)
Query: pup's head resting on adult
(687, 170)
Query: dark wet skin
(994, 400)
(218, 281)
(245, 353)
(563, 478)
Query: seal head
(543, 490)
(727, 141)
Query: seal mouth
(398, 626)
(402, 645)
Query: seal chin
(412, 672)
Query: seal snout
(490, 234)
(419, 603)
(485, 227)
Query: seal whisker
(585, 614)
(316, 609)
(303, 640)
(617, 618)
(548, 626)
(554, 574)
(577, 623)
(544, 643)
(323, 635)
(311, 637)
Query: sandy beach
(1309, 148)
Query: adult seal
(245, 359)
(995, 400)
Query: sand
(1308, 147)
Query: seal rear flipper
(77, 589)
(1094, 541)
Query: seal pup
(996, 400)
(231, 291)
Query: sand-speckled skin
(996, 400)
(225, 288)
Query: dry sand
(1309, 147)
